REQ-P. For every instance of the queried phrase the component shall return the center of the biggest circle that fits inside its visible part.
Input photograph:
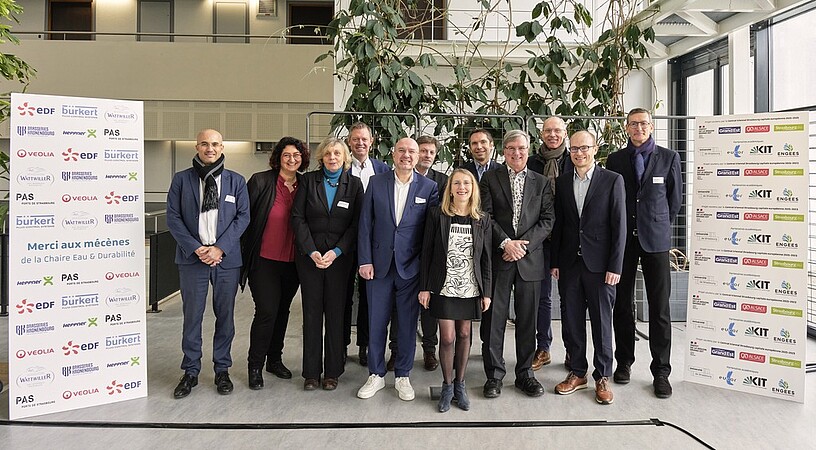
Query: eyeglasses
(636, 125)
(582, 149)
(515, 149)
(553, 131)
(290, 156)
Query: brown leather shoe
(329, 384)
(431, 363)
(571, 384)
(603, 394)
(392, 360)
(311, 384)
(541, 359)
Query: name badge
(419, 200)
(343, 204)
(229, 198)
(657, 180)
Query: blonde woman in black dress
(455, 280)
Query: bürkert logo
(34, 221)
(759, 262)
(753, 308)
(757, 128)
(123, 340)
(725, 353)
(80, 112)
(722, 304)
(752, 357)
(756, 172)
(728, 172)
(756, 216)
(119, 155)
(729, 130)
(727, 215)
(79, 301)
(35, 176)
(722, 259)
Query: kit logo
(762, 150)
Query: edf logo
(72, 349)
(71, 155)
(28, 307)
(115, 199)
(25, 108)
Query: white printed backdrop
(748, 280)
(77, 264)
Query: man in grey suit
(587, 257)
(654, 194)
(520, 203)
(207, 211)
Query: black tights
(450, 332)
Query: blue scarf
(646, 149)
(330, 183)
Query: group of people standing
(455, 248)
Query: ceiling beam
(700, 21)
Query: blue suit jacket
(183, 209)
(600, 231)
(652, 205)
(379, 166)
(380, 240)
(471, 166)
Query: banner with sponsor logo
(748, 288)
(77, 262)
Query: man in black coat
(481, 146)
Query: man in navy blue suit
(392, 221)
(207, 211)
(587, 256)
(481, 146)
(654, 193)
(362, 167)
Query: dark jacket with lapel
(534, 225)
(471, 166)
(262, 188)
(440, 179)
(652, 205)
(435, 252)
(316, 227)
(601, 229)
(184, 208)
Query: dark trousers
(580, 290)
(430, 326)
(384, 294)
(273, 285)
(494, 323)
(362, 312)
(323, 293)
(656, 275)
(195, 280)
(544, 322)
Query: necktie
(640, 166)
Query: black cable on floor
(351, 425)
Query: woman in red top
(269, 253)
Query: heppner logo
(757, 128)
(728, 215)
(728, 172)
(80, 112)
(38, 221)
(35, 176)
(118, 155)
(722, 304)
(722, 259)
(729, 130)
(725, 353)
(27, 130)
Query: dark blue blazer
(379, 166)
(471, 166)
(380, 240)
(183, 209)
(651, 206)
(601, 229)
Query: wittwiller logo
(112, 198)
(26, 109)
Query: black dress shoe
(363, 355)
(186, 384)
(223, 384)
(622, 374)
(530, 386)
(492, 388)
(255, 379)
(662, 387)
(278, 369)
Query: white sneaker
(371, 386)
(403, 386)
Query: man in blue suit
(392, 221)
(587, 256)
(481, 147)
(654, 194)
(207, 211)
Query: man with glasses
(520, 203)
(552, 161)
(654, 190)
(587, 257)
(207, 211)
